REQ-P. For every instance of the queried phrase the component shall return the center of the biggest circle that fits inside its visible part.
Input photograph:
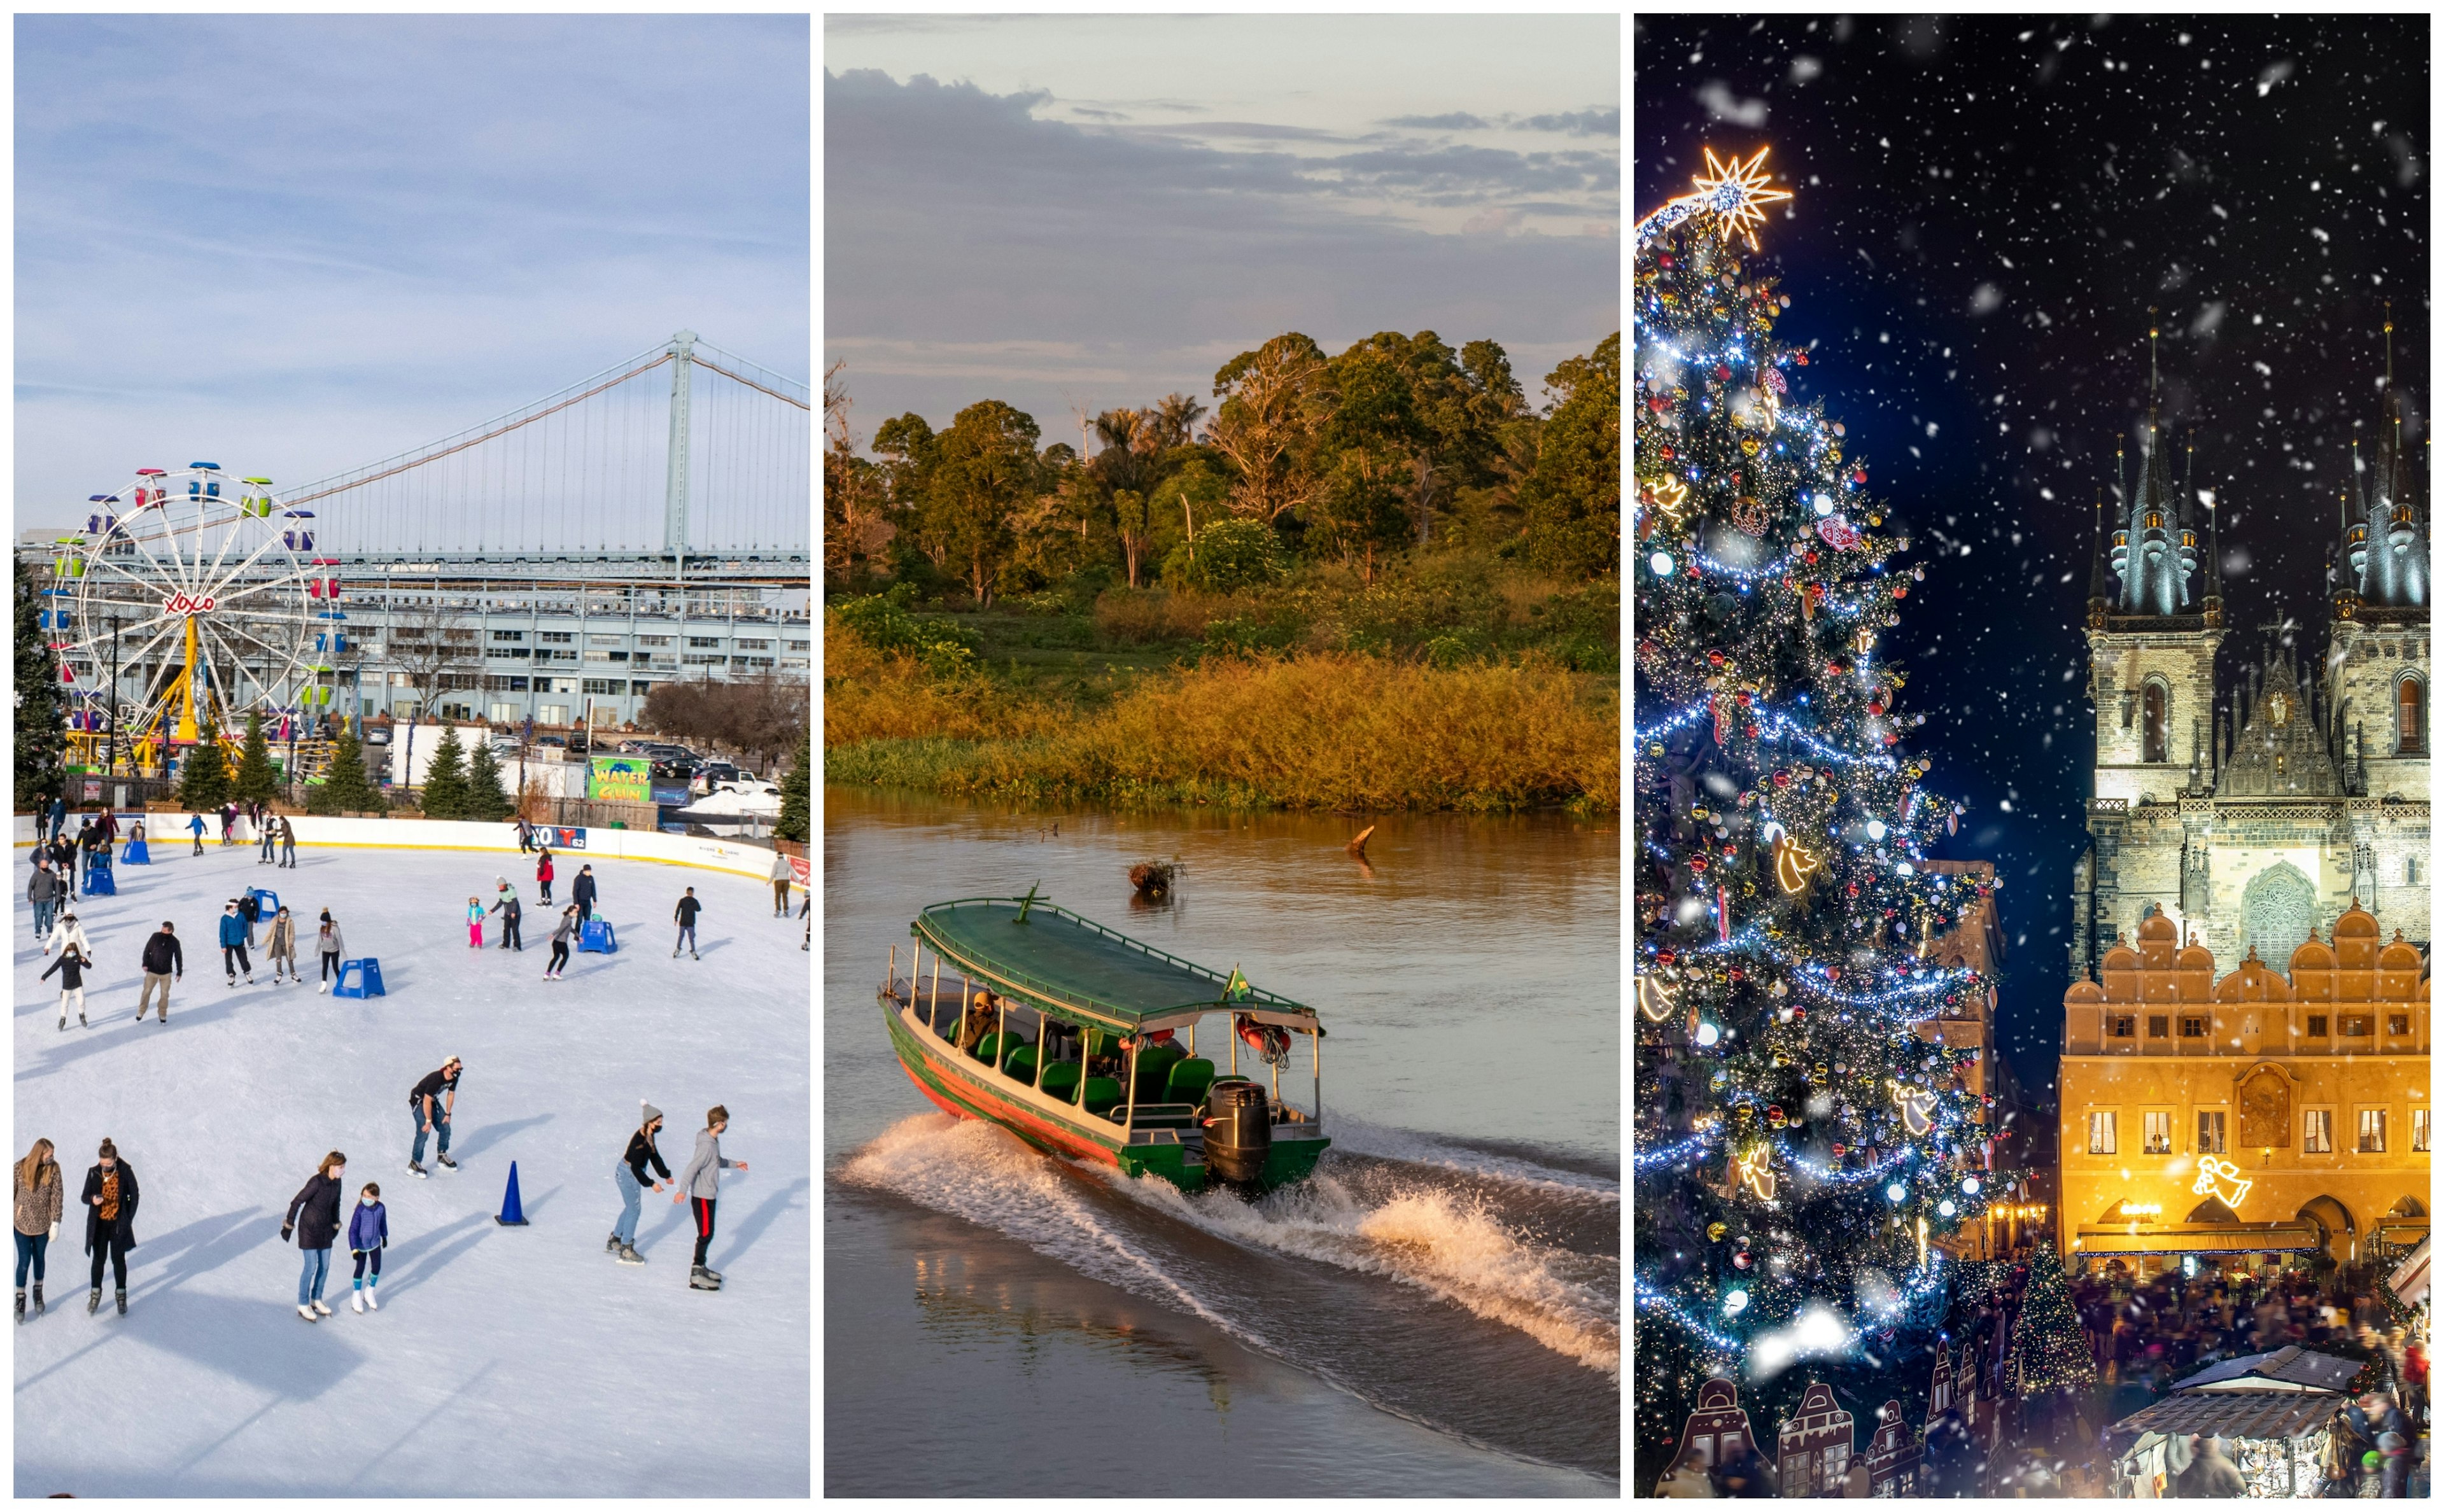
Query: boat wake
(1356, 1136)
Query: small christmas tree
(346, 789)
(2047, 1341)
(485, 801)
(203, 779)
(255, 782)
(42, 700)
(444, 794)
(795, 813)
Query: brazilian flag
(1238, 992)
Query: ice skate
(303, 1311)
(325, 986)
(613, 1246)
(702, 1280)
(357, 1303)
(80, 1023)
(93, 1304)
(447, 1163)
(39, 1308)
(628, 1256)
(417, 1170)
(372, 1303)
(122, 1302)
(709, 1271)
(20, 1305)
(322, 1307)
(64, 1020)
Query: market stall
(2277, 1439)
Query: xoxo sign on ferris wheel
(183, 603)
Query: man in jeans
(431, 1104)
(163, 960)
(43, 890)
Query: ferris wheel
(206, 595)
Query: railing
(1123, 1017)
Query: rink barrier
(314, 830)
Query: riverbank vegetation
(1381, 579)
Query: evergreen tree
(796, 814)
(41, 700)
(1572, 496)
(345, 789)
(1803, 1144)
(255, 783)
(2046, 1340)
(444, 793)
(485, 801)
(203, 775)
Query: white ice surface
(502, 1361)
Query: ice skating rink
(502, 1361)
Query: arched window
(2410, 694)
(2155, 741)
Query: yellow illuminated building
(2246, 1115)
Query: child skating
(560, 937)
(368, 1231)
(71, 966)
(700, 1187)
(474, 921)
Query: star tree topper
(1735, 192)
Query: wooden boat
(1069, 1034)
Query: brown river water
(1437, 1312)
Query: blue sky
(297, 244)
(1082, 212)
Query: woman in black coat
(314, 1215)
(110, 1197)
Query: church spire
(2099, 585)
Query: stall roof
(2290, 1368)
(2233, 1415)
(2409, 1281)
(2196, 1239)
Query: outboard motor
(1238, 1131)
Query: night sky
(1985, 209)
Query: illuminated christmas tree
(1800, 1148)
(2047, 1341)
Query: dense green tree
(1227, 556)
(1572, 499)
(255, 782)
(982, 477)
(443, 793)
(41, 700)
(485, 801)
(203, 775)
(344, 788)
(796, 821)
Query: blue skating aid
(598, 935)
(512, 1214)
(368, 982)
(138, 853)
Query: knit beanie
(647, 1113)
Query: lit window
(2317, 1132)
(2371, 1131)
(2357, 1024)
(2211, 1134)
(2159, 1133)
(2396, 1024)
(2414, 716)
(2418, 1130)
(2123, 1026)
(2100, 1132)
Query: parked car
(674, 771)
(551, 740)
(713, 774)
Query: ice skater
(288, 843)
(164, 959)
(686, 914)
(250, 907)
(59, 814)
(474, 921)
(72, 966)
(506, 905)
(67, 930)
(582, 893)
(542, 873)
(781, 874)
(566, 931)
(44, 891)
(234, 945)
(314, 1217)
(110, 1197)
(431, 1104)
(40, 1189)
(64, 854)
(282, 947)
(195, 825)
(328, 944)
(368, 1231)
(267, 832)
(526, 833)
(700, 1186)
(633, 1178)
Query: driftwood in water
(1358, 846)
(1151, 879)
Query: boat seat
(1154, 1070)
(1188, 1081)
(1102, 1094)
(1102, 1041)
(1061, 1081)
(993, 1047)
(1020, 1064)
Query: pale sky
(298, 244)
(1067, 212)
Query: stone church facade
(2248, 808)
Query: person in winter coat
(233, 944)
(58, 814)
(266, 834)
(685, 914)
(228, 823)
(328, 944)
(1686, 1477)
(40, 1186)
(582, 893)
(110, 1197)
(72, 966)
(781, 875)
(196, 826)
(1744, 1474)
(2393, 1466)
(700, 1185)
(44, 891)
(566, 931)
(368, 1231)
(63, 854)
(163, 959)
(288, 843)
(431, 1103)
(506, 905)
(250, 907)
(281, 947)
(314, 1217)
(68, 930)
(633, 1177)
(543, 874)
(2212, 1471)
(526, 833)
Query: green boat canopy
(1057, 961)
